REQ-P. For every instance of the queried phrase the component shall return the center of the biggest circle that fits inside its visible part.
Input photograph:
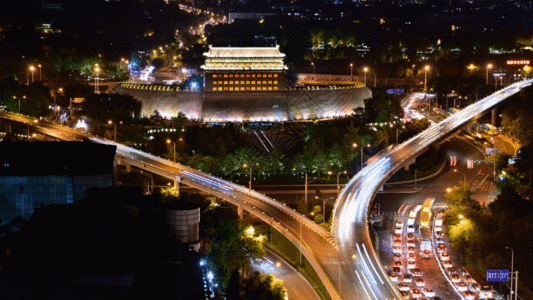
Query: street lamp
(32, 69)
(351, 72)
(168, 142)
(96, 70)
(251, 168)
(365, 70)
(323, 207)
(464, 175)
(355, 146)
(313, 64)
(489, 66)
(114, 124)
(338, 174)
(426, 68)
(413, 73)
(40, 77)
(512, 271)
(339, 263)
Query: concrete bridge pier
(240, 212)
(409, 163)
(468, 127)
(128, 168)
(494, 119)
(7, 128)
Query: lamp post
(168, 142)
(313, 64)
(32, 69)
(426, 68)
(365, 70)
(115, 125)
(489, 66)
(413, 73)
(338, 175)
(355, 146)
(251, 166)
(323, 207)
(339, 263)
(512, 270)
(351, 72)
(96, 70)
(464, 177)
(40, 73)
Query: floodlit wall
(293, 104)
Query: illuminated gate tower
(246, 69)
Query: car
(397, 270)
(411, 256)
(397, 249)
(439, 234)
(467, 278)
(475, 287)
(442, 248)
(447, 263)
(416, 293)
(396, 256)
(444, 256)
(403, 287)
(411, 264)
(415, 272)
(410, 236)
(468, 295)
(393, 277)
(411, 243)
(407, 278)
(455, 278)
(426, 254)
(428, 292)
(398, 230)
(411, 249)
(436, 298)
(397, 264)
(410, 221)
(406, 295)
(397, 242)
(440, 240)
(397, 236)
(399, 223)
(438, 229)
(461, 286)
(450, 271)
(420, 282)
(486, 292)
(411, 229)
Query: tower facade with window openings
(244, 69)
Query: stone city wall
(293, 104)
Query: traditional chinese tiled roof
(244, 52)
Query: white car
(444, 256)
(419, 282)
(399, 223)
(411, 243)
(403, 287)
(398, 230)
(411, 229)
(447, 263)
(428, 292)
(411, 264)
(461, 286)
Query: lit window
(215, 88)
(269, 88)
(231, 82)
(264, 75)
(270, 82)
(230, 75)
(247, 88)
(253, 88)
(225, 82)
(253, 75)
(275, 75)
(220, 88)
(264, 82)
(242, 75)
(237, 89)
(242, 81)
(264, 88)
(225, 88)
(247, 65)
(269, 75)
(275, 88)
(214, 75)
(225, 75)
(253, 81)
(247, 75)
(275, 82)
(247, 81)
(231, 88)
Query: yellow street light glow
(426, 67)
(489, 66)
(365, 69)
(32, 68)
(460, 216)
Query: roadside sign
(497, 275)
(490, 151)
(400, 91)
(390, 91)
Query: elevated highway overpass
(350, 261)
